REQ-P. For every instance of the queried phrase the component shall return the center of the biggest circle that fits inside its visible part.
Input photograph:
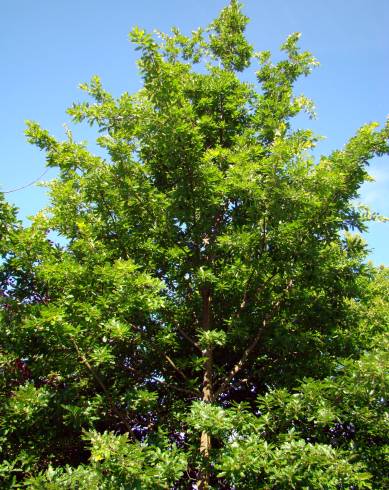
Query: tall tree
(205, 260)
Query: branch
(188, 337)
(181, 373)
(100, 382)
(238, 366)
(256, 292)
(114, 222)
(188, 391)
(177, 369)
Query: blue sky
(49, 47)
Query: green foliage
(208, 314)
(347, 411)
(292, 464)
(328, 433)
(227, 41)
(114, 463)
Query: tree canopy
(208, 316)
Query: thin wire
(27, 185)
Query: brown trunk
(205, 438)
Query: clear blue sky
(48, 47)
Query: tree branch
(256, 292)
(100, 382)
(238, 366)
(188, 391)
(176, 368)
(188, 337)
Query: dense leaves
(207, 316)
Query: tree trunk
(205, 438)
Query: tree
(206, 266)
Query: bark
(205, 438)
